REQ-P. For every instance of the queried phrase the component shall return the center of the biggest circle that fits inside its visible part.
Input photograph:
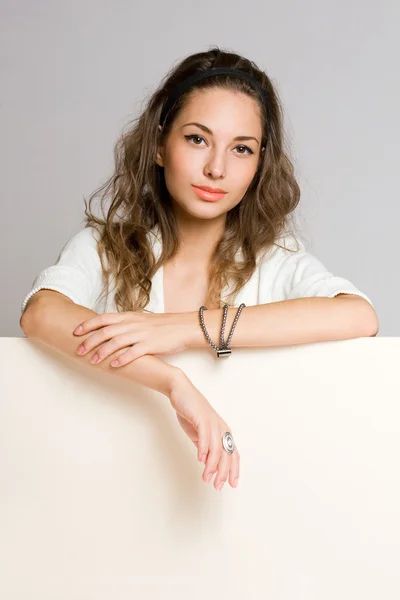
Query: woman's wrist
(213, 322)
(176, 378)
(153, 372)
(196, 337)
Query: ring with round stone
(227, 442)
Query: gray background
(73, 74)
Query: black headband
(186, 83)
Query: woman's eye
(249, 150)
(190, 137)
(199, 137)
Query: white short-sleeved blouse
(281, 274)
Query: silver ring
(227, 442)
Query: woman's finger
(214, 453)
(100, 336)
(116, 343)
(132, 353)
(98, 321)
(235, 468)
(223, 469)
(204, 433)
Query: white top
(279, 275)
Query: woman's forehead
(221, 110)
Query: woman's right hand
(205, 428)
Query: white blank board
(102, 496)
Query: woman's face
(207, 154)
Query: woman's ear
(159, 155)
(260, 158)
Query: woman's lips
(208, 195)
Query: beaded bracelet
(224, 349)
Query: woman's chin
(205, 212)
(201, 210)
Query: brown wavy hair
(140, 200)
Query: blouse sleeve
(303, 275)
(76, 273)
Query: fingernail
(79, 329)
(221, 485)
(208, 477)
(94, 359)
(115, 363)
(80, 350)
(235, 482)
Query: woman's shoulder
(289, 241)
(80, 246)
(285, 244)
(76, 272)
(86, 237)
(85, 242)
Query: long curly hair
(140, 200)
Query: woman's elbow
(370, 322)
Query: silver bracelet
(224, 349)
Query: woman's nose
(215, 167)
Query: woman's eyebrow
(241, 138)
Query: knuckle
(125, 355)
(223, 474)
(213, 459)
(213, 465)
(105, 349)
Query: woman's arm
(51, 318)
(290, 322)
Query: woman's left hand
(140, 333)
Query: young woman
(199, 211)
